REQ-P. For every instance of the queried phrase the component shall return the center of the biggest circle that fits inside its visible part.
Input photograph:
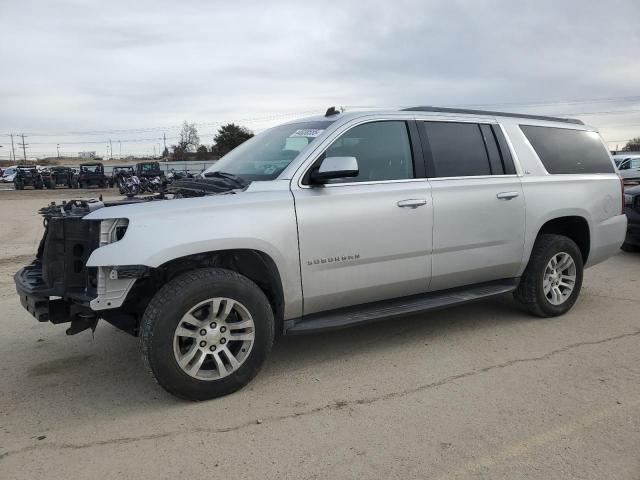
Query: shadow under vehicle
(27, 176)
(92, 174)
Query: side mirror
(334, 167)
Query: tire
(530, 294)
(627, 247)
(165, 313)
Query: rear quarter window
(564, 150)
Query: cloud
(76, 66)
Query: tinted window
(381, 148)
(457, 149)
(562, 150)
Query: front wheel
(206, 333)
(552, 280)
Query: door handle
(412, 203)
(507, 195)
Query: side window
(635, 163)
(458, 149)
(564, 150)
(382, 149)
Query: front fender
(166, 231)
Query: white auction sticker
(307, 132)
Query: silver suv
(329, 222)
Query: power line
(24, 146)
(175, 127)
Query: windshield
(145, 167)
(266, 155)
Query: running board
(397, 307)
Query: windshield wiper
(233, 179)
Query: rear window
(563, 150)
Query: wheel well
(574, 227)
(253, 264)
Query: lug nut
(223, 329)
(213, 325)
(203, 332)
(223, 340)
(203, 343)
(212, 348)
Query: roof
(492, 113)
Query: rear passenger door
(478, 204)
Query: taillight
(621, 193)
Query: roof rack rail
(488, 112)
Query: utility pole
(120, 151)
(111, 149)
(58, 148)
(24, 147)
(154, 151)
(164, 139)
(13, 149)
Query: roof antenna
(331, 111)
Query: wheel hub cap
(214, 338)
(559, 278)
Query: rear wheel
(206, 333)
(552, 280)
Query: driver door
(367, 238)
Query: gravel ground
(478, 391)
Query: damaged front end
(57, 286)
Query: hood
(165, 208)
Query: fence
(189, 166)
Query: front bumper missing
(37, 299)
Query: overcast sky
(125, 68)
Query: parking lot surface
(478, 391)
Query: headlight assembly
(112, 230)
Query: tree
(165, 153)
(229, 137)
(188, 140)
(178, 153)
(202, 152)
(632, 145)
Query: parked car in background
(8, 174)
(58, 176)
(118, 174)
(629, 168)
(27, 176)
(92, 175)
(329, 222)
(149, 170)
(632, 210)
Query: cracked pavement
(477, 391)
